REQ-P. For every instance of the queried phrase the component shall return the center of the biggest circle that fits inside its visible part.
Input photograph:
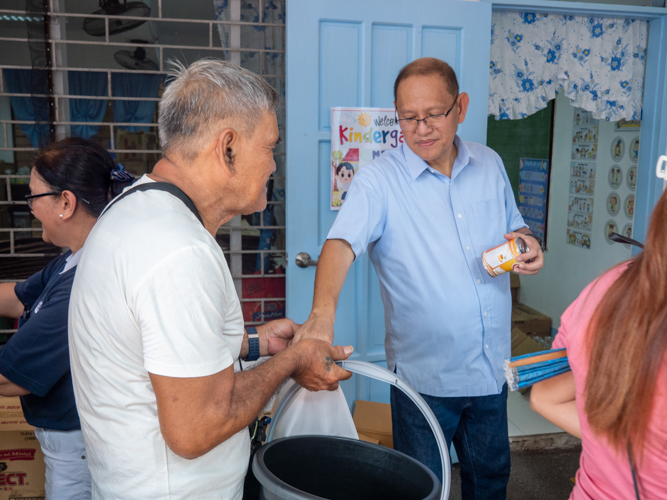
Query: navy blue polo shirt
(36, 357)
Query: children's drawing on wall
(634, 150)
(580, 217)
(581, 205)
(584, 152)
(578, 238)
(617, 149)
(582, 117)
(582, 178)
(631, 178)
(615, 176)
(610, 227)
(582, 186)
(629, 206)
(580, 221)
(583, 170)
(613, 203)
(586, 135)
(358, 136)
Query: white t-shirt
(152, 293)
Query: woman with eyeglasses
(70, 184)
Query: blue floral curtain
(87, 110)
(29, 108)
(598, 63)
(135, 85)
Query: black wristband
(253, 344)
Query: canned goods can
(502, 258)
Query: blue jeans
(476, 425)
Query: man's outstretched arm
(332, 267)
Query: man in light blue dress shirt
(425, 212)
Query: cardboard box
(529, 320)
(363, 437)
(523, 344)
(22, 469)
(373, 420)
(515, 284)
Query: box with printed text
(22, 468)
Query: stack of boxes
(21, 459)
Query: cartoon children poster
(358, 136)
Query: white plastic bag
(321, 413)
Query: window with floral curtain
(598, 63)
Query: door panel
(348, 53)
(391, 50)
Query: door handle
(303, 260)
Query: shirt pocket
(490, 224)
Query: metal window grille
(50, 38)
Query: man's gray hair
(200, 96)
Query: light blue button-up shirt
(447, 321)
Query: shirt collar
(72, 261)
(416, 165)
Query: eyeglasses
(434, 121)
(30, 197)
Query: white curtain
(598, 63)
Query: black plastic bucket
(335, 468)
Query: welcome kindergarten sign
(358, 136)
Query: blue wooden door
(348, 53)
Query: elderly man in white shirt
(155, 322)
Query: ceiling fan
(137, 59)
(95, 26)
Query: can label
(502, 258)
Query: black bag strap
(159, 186)
(634, 473)
(619, 238)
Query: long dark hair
(627, 341)
(82, 167)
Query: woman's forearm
(10, 305)
(563, 415)
(555, 400)
(9, 388)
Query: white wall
(567, 268)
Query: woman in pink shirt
(615, 398)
